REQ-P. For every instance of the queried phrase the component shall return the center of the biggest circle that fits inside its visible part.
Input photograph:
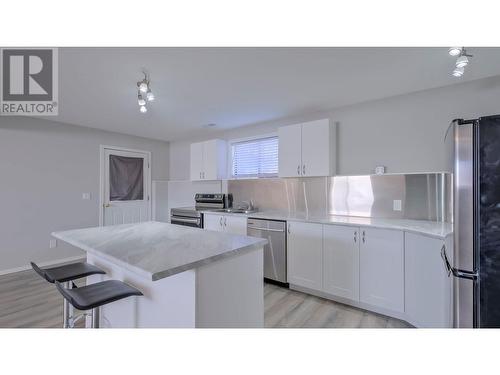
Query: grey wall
(45, 167)
(404, 133)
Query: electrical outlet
(86, 196)
(396, 205)
(52, 243)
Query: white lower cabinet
(235, 224)
(381, 268)
(225, 223)
(341, 261)
(389, 271)
(428, 288)
(213, 222)
(305, 255)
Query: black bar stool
(93, 296)
(66, 274)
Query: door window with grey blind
(255, 158)
(126, 178)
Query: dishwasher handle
(266, 229)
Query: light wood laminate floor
(27, 301)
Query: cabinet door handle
(304, 169)
(298, 170)
(225, 221)
(288, 228)
(200, 175)
(220, 221)
(355, 236)
(363, 237)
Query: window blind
(255, 158)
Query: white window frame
(230, 155)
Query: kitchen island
(189, 277)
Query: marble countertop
(157, 250)
(430, 228)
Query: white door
(290, 151)
(382, 268)
(213, 222)
(125, 194)
(196, 161)
(341, 261)
(305, 255)
(427, 284)
(316, 155)
(235, 224)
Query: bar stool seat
(98, 294)
(67, 272)
(93, 296)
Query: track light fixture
(461, 62)
(144, 93)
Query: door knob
(107, 205)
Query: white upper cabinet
(208, 160)
(381, 267)
(196, 161)
(428, 287)
(307, 149)
(341, 261)
(305, 255)
(289, 151)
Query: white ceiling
(235, 87)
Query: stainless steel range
(192, 216)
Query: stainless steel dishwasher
(274, 232)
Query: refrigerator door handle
(445, 260)
(456, 272)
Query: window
(255, 158)
(126, 181)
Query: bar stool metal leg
(67, 308)
(96, 318)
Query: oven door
(195, 222)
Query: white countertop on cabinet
(434, 229)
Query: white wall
(45, 167)
(404, 133)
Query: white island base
(228, 293)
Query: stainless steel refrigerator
(475, 262)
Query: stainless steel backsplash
(423, 196)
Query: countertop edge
(240, 251)
(379, 226)
(395, 226)
(161, 274)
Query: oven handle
(185, 220)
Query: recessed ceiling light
(455, 51)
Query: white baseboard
(43, 264)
